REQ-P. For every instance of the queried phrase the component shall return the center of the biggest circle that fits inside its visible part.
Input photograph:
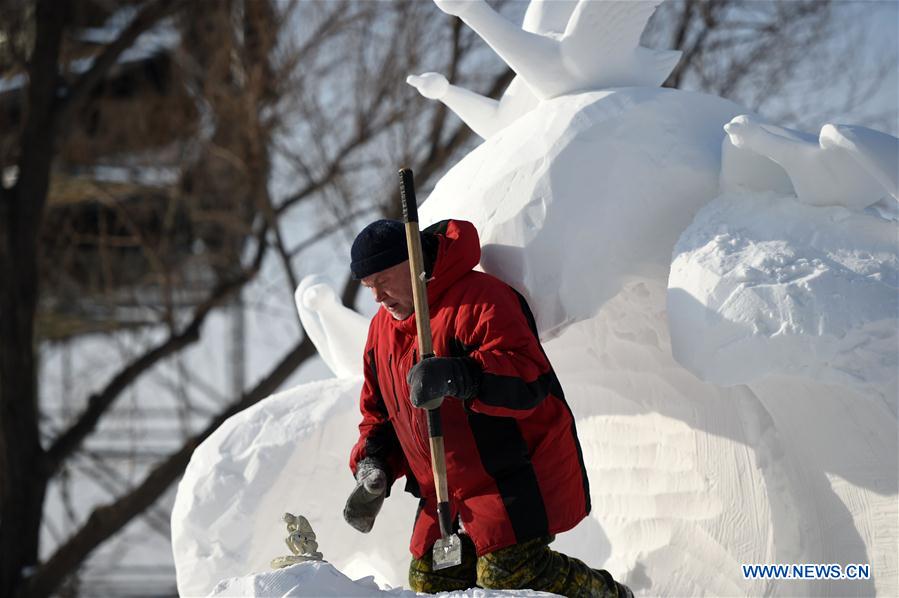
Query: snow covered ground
(319, 580)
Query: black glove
(436, 377)
(367, 497)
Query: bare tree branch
(343, 139)
(149, 16)
(99, 403)
(107, 520)
(321, 234)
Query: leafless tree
(796, 63)
(327, 98)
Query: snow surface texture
(318, 580)
(770, 439)
(774, 286)
(798, 304)
(586, 192)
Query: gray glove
(367, 497)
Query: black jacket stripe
(504, 455)
(556, 389)
(381, 407)
(580, 458)
(513, 392)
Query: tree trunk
(23, 479)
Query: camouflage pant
(529, 565)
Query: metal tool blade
(447, 552)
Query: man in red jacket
(515, 471)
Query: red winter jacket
(514, 464)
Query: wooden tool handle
(416, 264)
(425, 348)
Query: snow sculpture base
(616, 175)
(294, 559)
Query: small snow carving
(300, 540)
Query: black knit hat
(379, 246)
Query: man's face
(392, 288)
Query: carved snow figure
(524, 187)
(563, 46)
(337, 332)
(484, 115)
(301, 542)
(845, 165)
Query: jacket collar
(458, 252)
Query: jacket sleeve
(377, 437)
(516, 375)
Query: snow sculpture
(791, 289)
(301, 542)
(485, 116)
(797, 305)
(337, 332)
(796, 302)
(845, 165)
(563, 46)
(620, 172)
(766, 436)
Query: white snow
(775, 286)
(729, 353)
(585, 192)
(318, 580)
(541, 54)
(338, 333)
(846, 165)
(598, 47)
